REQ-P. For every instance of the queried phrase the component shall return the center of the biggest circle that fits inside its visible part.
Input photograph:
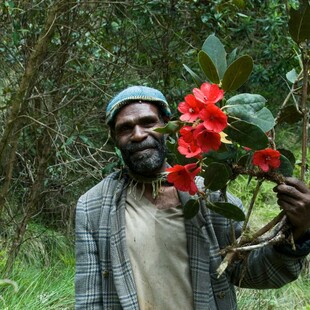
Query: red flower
(190, 108)
(187, 133)
(208, 93)
(214, 118)
(188, 148)
(207, 140)
(183, 177)
(267, 159)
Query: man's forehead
(137, 109)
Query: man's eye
(123, 129)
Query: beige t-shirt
(157, 247)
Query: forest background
(60, 63)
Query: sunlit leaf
(292, 76)
(226, 209)
(299, 22)
(237, 73)
(247, 134)
(216, 176)
(214, 48)
(250, 108)
(208, 67)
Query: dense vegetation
(61, 61)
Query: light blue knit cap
(136, 94)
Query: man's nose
(138, 133)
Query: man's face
(143, 149)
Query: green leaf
(195, 77)
(299, 22)
(286, 168)
(247, 134)
(170, 127)
(214, 48)
(292, 76)
(237, 73)
(86, 140)
(216, 176)
(191, 208)
(108, 168)
(250, 108)
(289, 155)
(232, 56)
(226, 209)
(208, 67)
(70, 140)
(290, 115)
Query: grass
(295, 295)
(43, 273)
(49, 289)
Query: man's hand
(294, 199)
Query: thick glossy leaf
(195, 77)
(289, 155)
(290, 115)
(226, 209)
(250, 108)
(216, 176)
(222, 155)
(286, 168)
(171, 127)
(214, 48)
(299, 23)
(237, 73)
(191, 208)
(247, 134)
(208, 67)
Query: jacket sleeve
(88, 281)
(271, 266)
(266, 268)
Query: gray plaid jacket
(104, 278)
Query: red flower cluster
(267, 159)
(200, 136)
(183, 177)
(203, 135)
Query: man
(134, 250)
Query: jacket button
(105, 273)
(220, 295)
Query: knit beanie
(136, 94)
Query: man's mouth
(142, 150)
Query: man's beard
(146, 162)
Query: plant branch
(304, 110)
